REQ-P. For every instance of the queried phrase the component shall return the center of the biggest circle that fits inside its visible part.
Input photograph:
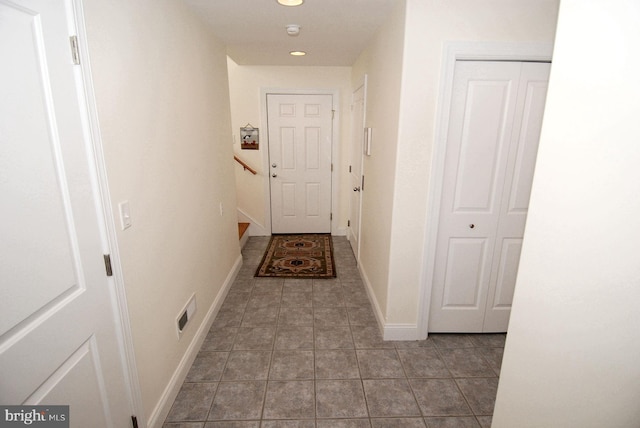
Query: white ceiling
(333, 32)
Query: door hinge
(348, 223)
(107, 264)
(75, 51)
(331, 167)
(333, 114)
(362, 184)
(134, 421)
(349, 168)
(330, 216)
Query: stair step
(242, 228)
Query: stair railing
(244, 165)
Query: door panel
(288, 149)
(463, 287)
(312, 152)
(58, 336)
(462, 284)
(507, 272)
(300, 128)
(79, 371)
(312, 197)
(481, 144)
(494, 128)
(529, 138)
(288, 199)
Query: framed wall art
(249, 137)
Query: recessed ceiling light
(298, 53)
(290, 2)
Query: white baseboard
(390, 331)
(160, 412)
(400, 332)
(372, 298)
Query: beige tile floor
(308, 353)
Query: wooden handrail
(244, 165)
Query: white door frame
(335, 145)
(90, 123)
(453, 51)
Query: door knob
(274, 175)
(471, 226)
(273, 165)
(356, 189)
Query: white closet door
(487, 106)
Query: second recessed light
(298, 53)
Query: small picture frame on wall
(249, 137)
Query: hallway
(308, 353)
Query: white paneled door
(494, 130)
(300, 139)
(58, 334)
(355, 168)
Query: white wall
(403, 64)
(571, 357)
(162, 98)
(245, 85)
(382, 62)
(429, 25)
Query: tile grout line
(271, 355)
(473, 413)
(226, 361)
(464, 397)
(345, 308)
(408, 382)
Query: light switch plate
(125, 215)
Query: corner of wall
(390, 331)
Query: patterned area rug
(298, 256)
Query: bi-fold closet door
(493, 134)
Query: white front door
(355, 168)
(58, 334)
(300, 129)
(494, 128)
